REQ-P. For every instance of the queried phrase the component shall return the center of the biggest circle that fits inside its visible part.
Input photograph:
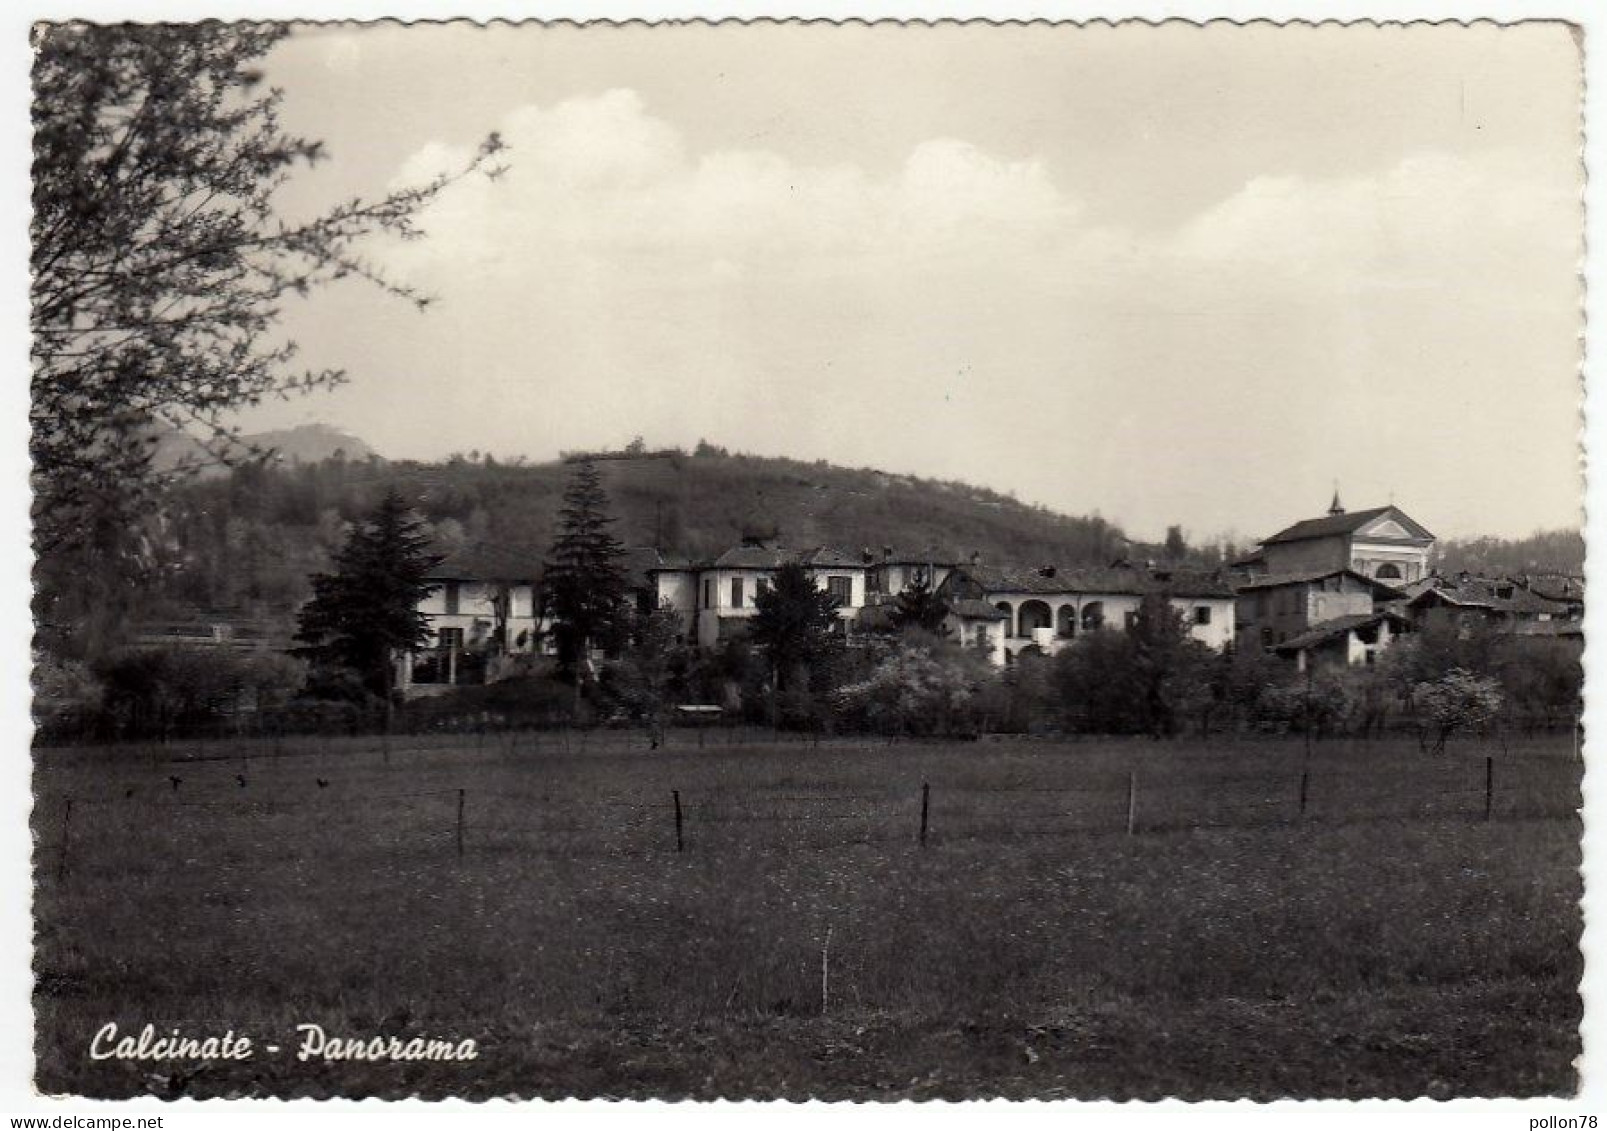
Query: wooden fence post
(460, 824)
(825, 975)
(680, 844)
(1132, 802)
(66, 838)
(1489, 786)
(926, 807)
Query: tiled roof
(488, 561)
(824, 557)
(1555, 586)
(1334, 629)
(977, 610)
(933, 555)
(1485, 593)
(1347, 523)
(774, 557)
(1120, 580)
(753, 557)
(1273, 580)
(668, 562)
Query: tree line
(793, 667)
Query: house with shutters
(483, 609)
(715, 599)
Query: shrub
(1456, 701)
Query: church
(1384, 543)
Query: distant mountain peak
(304, 443)
(311, 443)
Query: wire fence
(209, 816)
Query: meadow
(1090, 919)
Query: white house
(484, 602)
(1049, 607)
(715, 599)
(892, 571)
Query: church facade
(1384, 543)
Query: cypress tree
(583, 582)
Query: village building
(976, 624)
(1357, 638)
(1382, 543)
(1465, 599)
(892, 571)
(1275, 608)
(716, 599)
(1049, 607)
(1564, 588)
(482, 610)
(1333, 590)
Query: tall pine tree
(920, 607)
(795, 624)
(583, 582)
(367, 610)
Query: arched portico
(1033, 615)
(1010, 616)
(1066, 621)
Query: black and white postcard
(803, 560)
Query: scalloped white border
(16, 1094)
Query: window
(761, 587)
(452, 597)
(736, 592)
(1129, 619)
(1389, 571)
(1202, 614)
(450, 639)
(841, 588)
(708, 592)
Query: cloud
(1432, 217)
(960, 313)
(600, 174)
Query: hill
(250, 537)
(311, 443)
(305, 443)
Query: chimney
(976, 557)
(887, 553)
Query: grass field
(1384, 940)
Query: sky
(1166, 274)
